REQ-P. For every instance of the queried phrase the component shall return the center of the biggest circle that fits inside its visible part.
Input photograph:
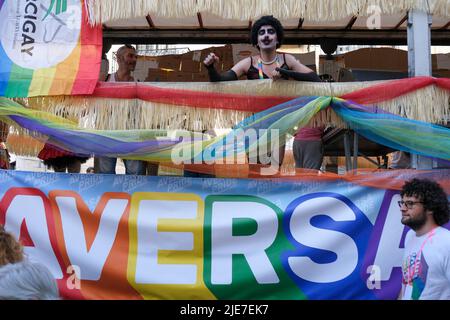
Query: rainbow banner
(142, 237)
(167, 145)
(47, 47)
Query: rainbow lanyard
(413, 269)
(260, 70)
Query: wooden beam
(445, 27)
(401, 22)
(200, 20)
(300, 23)
(150, 21)
(292, 36)
(351, 23)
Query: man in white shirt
(126, 59)
(426, 259)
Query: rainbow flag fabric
(47, 47)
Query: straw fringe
(270, 87)
(117, 114)
(106, 10)
(102, 11)
(440, 8)
(430, 104)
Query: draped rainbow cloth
(396, 132)
(158, 145)
(47, 48)
(205, 106)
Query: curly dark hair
(432, 195)
(11, 251)
(267, 20)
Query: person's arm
(298, 71)
(229, 75)
(215, 76)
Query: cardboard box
(180, 76)
(227, 52)
(200, 77)
(197, 55)
(441, 73)
(170, 62)
(308, 58)
(242, 51)
(143, 64)
(218, 51)
(190, 66)
(165, 76)
(152, 75)
(441, 61)
(187, 56)
(225, 66)
(381, 59)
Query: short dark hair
(271, 21)
(121, 50)
(432, 195)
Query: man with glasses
(426, 260)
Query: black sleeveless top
(253, 73)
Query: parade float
(251, 235)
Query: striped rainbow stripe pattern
(76, 74)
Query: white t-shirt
(112, 77)
(426, 266)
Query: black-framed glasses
(408, 204)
